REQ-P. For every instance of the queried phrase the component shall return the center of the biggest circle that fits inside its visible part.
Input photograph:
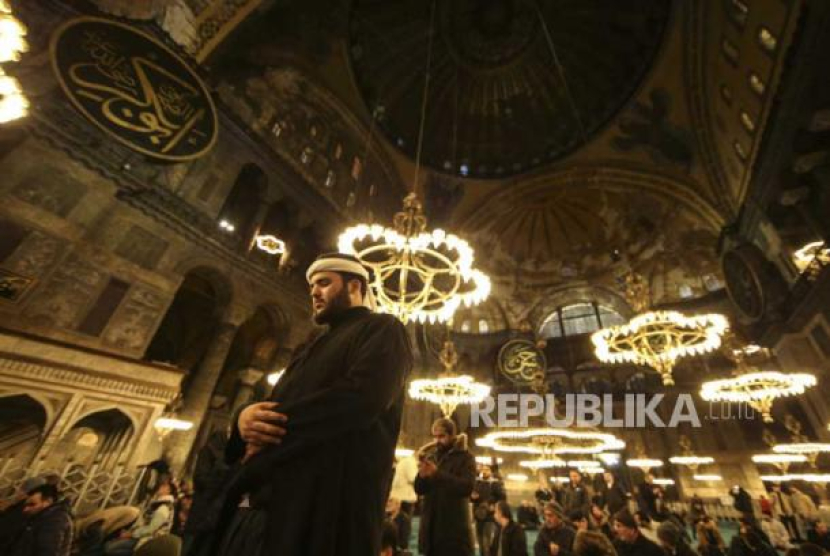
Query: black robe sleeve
(370, 386)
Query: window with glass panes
(579, 318)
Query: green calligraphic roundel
(522, 362)
(134, 88)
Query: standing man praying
(317, 458)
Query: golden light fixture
(657, 339)
(810, 450)
(12, 35)
(270, 244)
(644, 463)
(663, 481)
(801, 448)
(166, 425)
(758, 389)
(708, 478)
(13, 103)
(691, 461)
(610, 458)
(806, 477)
(687, 458)
(810, 253)
(488, 460)
(449, 391)
(417, 275)
(544, 463)
(592, 470)
(781, 461)
(550, 441)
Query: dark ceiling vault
(498, 104)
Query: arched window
(241, 205)
(465, 326)
(579, 318)
(483, 327)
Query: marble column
(198, 395)
(247, 381)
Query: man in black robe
(317, 459)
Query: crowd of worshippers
(38, 519)
(462, 507)
(464, 510)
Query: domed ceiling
(498, 103)
(574, 226)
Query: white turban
(344, 263)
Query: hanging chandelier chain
(561, 71)
(427, 75)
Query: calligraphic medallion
(522, 362)
(134, 88)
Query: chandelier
(758, 389)
(806, 477)
(689, 459)
(449, 391)
(800, 442)
(417, 275)
(644, 463)
(12, 35)
(657, 339)
(13, 103)
(550, 441)
(781, 461)
(550, 463)
(166, 425)
(805, 259)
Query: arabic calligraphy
(134, 88)
(522, 362)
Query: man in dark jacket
(446, 476)
(575, 495)
(611, 495)
(629, 540)
(317, 459)
(510, 539)
(648, 495)
(48, 530)
(487, 493)
(12, 517)
(556, 538)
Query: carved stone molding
(81, 379)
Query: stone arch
(256, 345)
(102, 434)
(243, 201)
(24, 419)
(192, 318)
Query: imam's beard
(336, 306)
